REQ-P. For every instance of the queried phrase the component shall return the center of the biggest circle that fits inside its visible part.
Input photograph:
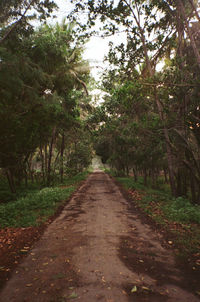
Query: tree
(38, 75)
(15, 15)
(155, 30)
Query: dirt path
(98, 250)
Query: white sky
(96, 48)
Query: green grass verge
(37, 207)
(177, 215)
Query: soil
(100, 248)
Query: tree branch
(12, 28)
(161, 85)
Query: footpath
(98, 249)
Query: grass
(37, 206)
(177, 216)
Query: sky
(95, 49)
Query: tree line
(149, 123)
(43, 96)
(150, 119)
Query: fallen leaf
(134, 289)
(23, 251)
(73, 296)
(29, 284)
(103, 279)
(145, 288)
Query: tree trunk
(50, 156)
(193, 43)
(168, 148)
(194, 9)
(43, 164)
(127, 170)
(160, 110)
(135, 174)
(61, 156)
(46, 161)
(193, 190)
(145, 177)
(165, 175)
(10, 180)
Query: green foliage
(130, 184)
(79, 159)
(174, 209)
(181, 210)
(32, 209)
(36, 207)
(76, 179)
(20, 12)
(163, 106)
(177, 216)
(40, 74)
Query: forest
(140, 120)
(148, 125)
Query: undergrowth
(38, 206)
(178, 216)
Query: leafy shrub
(129, 183)
(178, 210)
(181, 210)
(34, 208)
(37, 206)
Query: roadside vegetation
(177, 216)
(38, 206)
(146, 123)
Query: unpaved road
(98, 250)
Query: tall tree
(37, 76)
(156, 30)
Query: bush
(130, 184)
(37, 207)
(178, 210)
(181, 210)
(34, 208)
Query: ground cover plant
(177, 216)
(22, 222)
(36, 207)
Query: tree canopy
(149, 122)
(151, 117)
(41, 72)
